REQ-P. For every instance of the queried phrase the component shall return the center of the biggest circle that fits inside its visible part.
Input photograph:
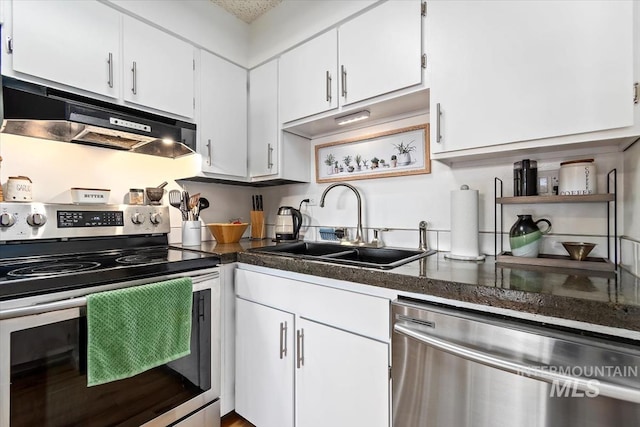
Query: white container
(191, 233)
(577, 177)
(89, 196)
(19, 189)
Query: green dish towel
(134, 329)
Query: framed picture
(393, 153)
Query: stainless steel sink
(381, 258)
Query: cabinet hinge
(9, 45)
(194, 102)
(635, 93)
(423, 8)
(194, 64)
(389, 372)
(424, 60)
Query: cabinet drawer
(362, 314)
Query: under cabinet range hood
(43, 112)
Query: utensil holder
(191, 233)
(257, 225)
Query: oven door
(43, 368)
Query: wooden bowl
(227, 233)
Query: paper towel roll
(464, 225)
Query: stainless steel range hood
(42, 112)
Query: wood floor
(234, 420)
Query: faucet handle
(377, 241)
(422, 241)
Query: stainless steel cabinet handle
(438, 114)
(110, 62)
(343, 76)
(529, 371)
(328, 82)
(209, 152)
(300, 341)
(269, 156)
(283, 339)
(134, 86)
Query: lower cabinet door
(264, 364)
(342, 379)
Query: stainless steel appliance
(288, 223)
(43, 112)
(51, 258)
(453, 368)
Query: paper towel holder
(450, 255)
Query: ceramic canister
(577, 177)
(19, 189)
(525, 236)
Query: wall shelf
(587, 198)
(610, 198)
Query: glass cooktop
(32, 275)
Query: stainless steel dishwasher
(454, 368)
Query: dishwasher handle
(583, 384)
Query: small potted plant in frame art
(347, 163)
(329, 161)
(394, 161)
(382, 163)
(404, 152)
(358, 160)
(374, 162)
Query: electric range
(46, 248)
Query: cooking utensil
(203, 203)
(175, 199)
(578, 250)
(162, 185)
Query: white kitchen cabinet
(264, 364)
(381, 51)
(263, 119)
(222, 120)
(76, 45)
(308, 78)
(340, 377)
(339, 361)
(158, 69)
(273, 154)
(504, 72)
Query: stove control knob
(36, 220)
(155, 218)
(137, 218)
(6, 220)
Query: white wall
(401, 202)
(294, 21)
(55, 167)
(199, 21)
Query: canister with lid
(577, 177)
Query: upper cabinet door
(158, 69)
(263, 120)
(515, 71)
(309, 78)
(381, 51)
(76, 45)
(223, 116)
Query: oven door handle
(78, 302)
(600, 388)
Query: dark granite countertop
(608, 299)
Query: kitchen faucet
(359, 233)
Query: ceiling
(247, 10)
